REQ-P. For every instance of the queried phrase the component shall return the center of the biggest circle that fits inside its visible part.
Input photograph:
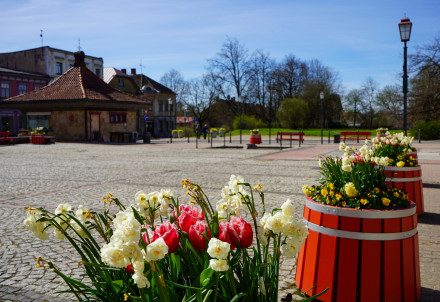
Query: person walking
(205, 130)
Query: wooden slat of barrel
(300, 266)
(391, 286)
(417, 266)
(327, 259)
(370, 265)
(408, 262)
(348, 261)
(311, 258)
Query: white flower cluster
(219, 250)
(365, 153)
(123, 248)
(232, 198)
(154, 203)
(284, 222)
(38, 228)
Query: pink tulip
(189, 215)
(197, 233)
(168, 232)
(237, 232)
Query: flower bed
(161, 250)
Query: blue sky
(357, 39)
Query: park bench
(354, 135)
(4, 137)
(290, 136)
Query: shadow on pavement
(429, 295)
(429, 218)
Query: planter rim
(361, 213)
(403, 168)
(361, 235)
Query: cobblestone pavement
(47, 175)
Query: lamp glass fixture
(405, 26)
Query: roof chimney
(79, 58)
(124, 71)
(133, 71)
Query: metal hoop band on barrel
(359, 235)
(318, 207)
(409, 179)
(403, 168)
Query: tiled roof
(144, 81)
(78, 83)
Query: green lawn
(308, 132)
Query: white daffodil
(156, 250)
(288, 208)
(140, 280)
(218, 265)
(276, 222)
(218, 249)
(63, 208)
(82, 214)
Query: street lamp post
(321, 96)
(405, 33)
(170, 103)
(240, 99)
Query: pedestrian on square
(205, 130)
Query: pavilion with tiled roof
(79, 106)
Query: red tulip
(197, 233)
(228, 234)
(168, 232)
(189, 215)
(129, 269)
(237, 232)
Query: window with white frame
(160, 106)
(22, 88)
(59, 68)
(5, 90)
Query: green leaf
(205, 276)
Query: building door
(95, 126)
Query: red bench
(354, 135)
(4, 137)
(290, 136)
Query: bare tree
(293, 74)
(353, 101)
(424, 101)
(369, 88)
(175, 81)
(389, 101)
(231, 66)
(201, 97)
(261, 67)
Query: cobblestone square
(81, 174)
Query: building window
(118, 117)
(171, 107)
(22, 88)
(166, 106)
(38, 86)
(5, 90)
(121, 82)
(160, 106)
(39, 120)
(98, 72)
(59, 68)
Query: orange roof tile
(78, 83)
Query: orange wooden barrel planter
(361, 255)
(409, 179)
(37, 139)
(255, 139)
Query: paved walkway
(46, 175)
